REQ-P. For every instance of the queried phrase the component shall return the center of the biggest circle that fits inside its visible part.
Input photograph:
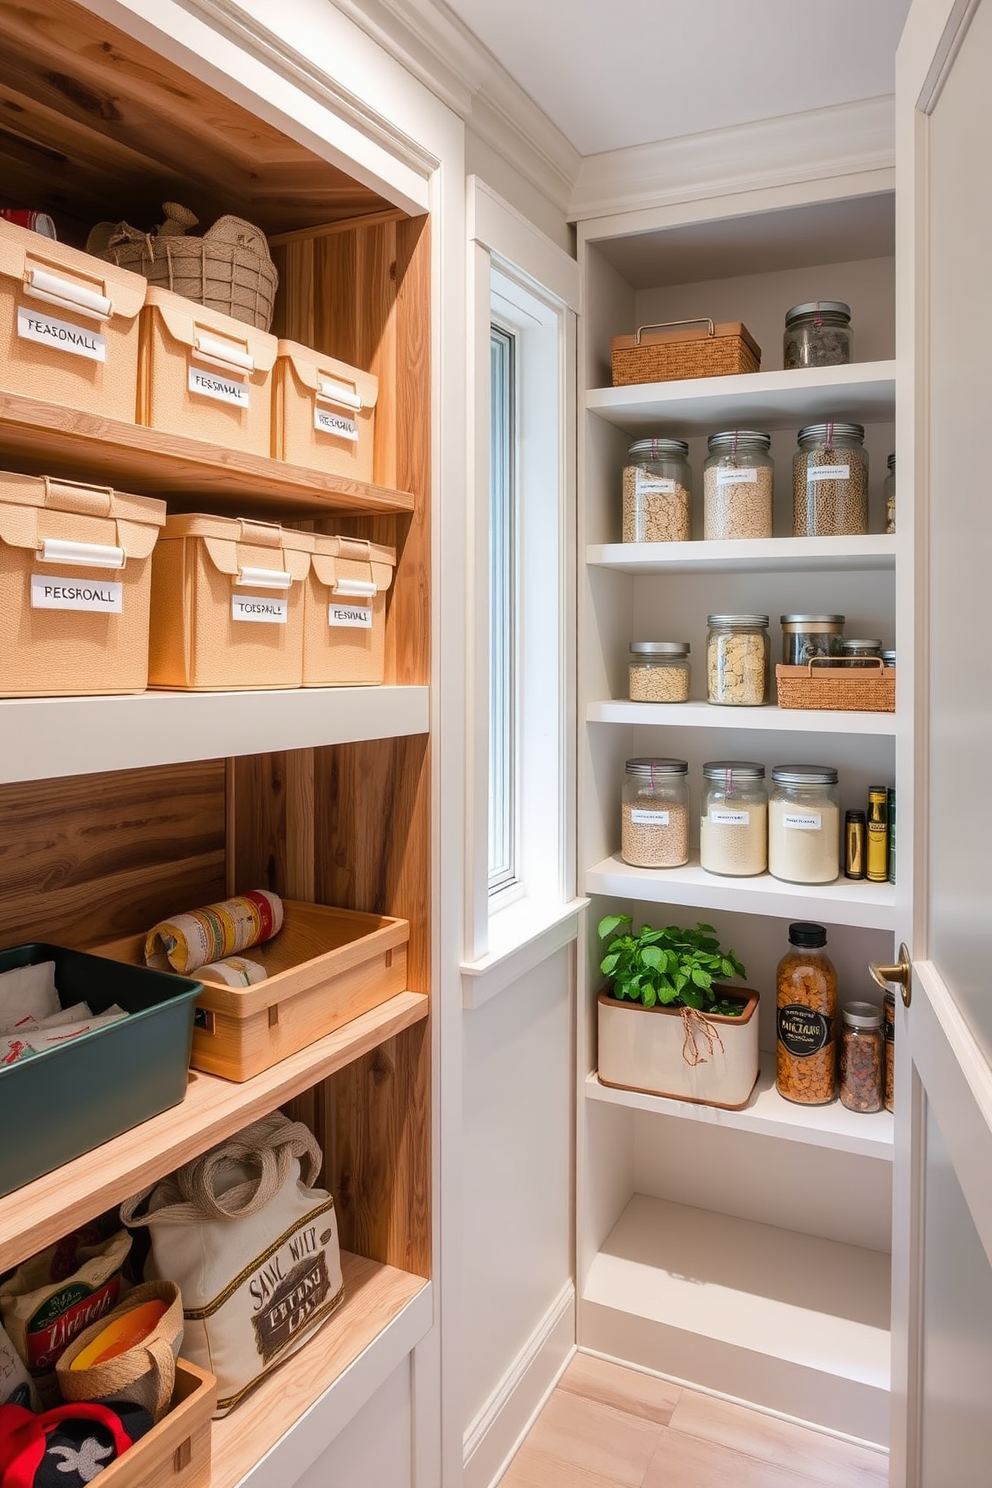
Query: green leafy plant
(674, 967)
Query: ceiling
(635, 71)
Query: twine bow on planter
(700, 1038)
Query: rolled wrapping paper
(234, 972)
(205, 936)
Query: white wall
(486, 163)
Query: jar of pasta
(804, 824)
(659, 671)
(737, 485)
(657, 491)
(806, 1015)
(733, 821)
(655, 813)
(737, 655)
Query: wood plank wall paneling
(95, 857)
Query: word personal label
(351, 617)
(47, 331)
(326, 422)
(48, 593)
(223, 387)
(264, 611)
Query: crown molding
(847, 139)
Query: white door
(942, 1323)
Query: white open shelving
(869, 552)
(697, 715)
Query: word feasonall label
(223, 387)
(98, 595)
(62, 334)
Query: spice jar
(861, 653)
(733, 821)
(806, 1011)
(659, 671)
(889, 491)
(655, 813)
(889, 1038)
(737, 655)
(656, 491)
(737, 485)
(830, 481)
(804, 824)
(806, 636)
(861, 1057)
(817, 334)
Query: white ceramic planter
(645, 1049)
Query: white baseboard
(501, 1425)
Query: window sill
(520, 938)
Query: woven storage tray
(176, 1452)
(326, 966)
(846, 689)
(682, 349)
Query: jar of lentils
(659, 671)
(737, 485)
(655, 813)
(657, 491)
(830, 481)
(733, 821)
(737, 656)
(804, 824)
(817, 334)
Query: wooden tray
(847, 689)
(326, 966)
(176, 1452)
(678, 349)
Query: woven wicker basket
(228, 269)
(684, 348)
(847, 689)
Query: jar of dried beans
(655, 813)
(657, 491)
(806, 1013)
(889, 1037)
(733, 821)
(817, 334)
(804, 824)
(861, 1057)
(737, 654)
(830, 481)
(659, 671)
(737, 485)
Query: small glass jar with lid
(856, 652)
(889, 1039)
(862, 1057)
(804, 824)
(888, 658)
(806, 636)
(659, 671)
(733, 821)
(737, 656)
(737, 485)
(830, 481)
(655, 813)
(889, 491)
(657, 491)
(817, 334)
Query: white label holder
(264, 578)
(40, 285)
(355, 589)
(217, 353)
(80, 555)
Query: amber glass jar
(806, 1049)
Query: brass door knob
(901, 974)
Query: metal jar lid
(827, 433)
(659, 648)
(889, 657)
(646, 769)
(729, 441)
(862, 1015)
(805, 621)
(818, 307)
(720, 769)
(859, 648)
(759, 621)
(804, 775)
(658, 449)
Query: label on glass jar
(649, 818)
(804, 821)
(730, 818)
(654, 485)
(747, 477)
(828, 472)
(802, 1030)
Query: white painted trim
(498, 1430)
(498, 227)
(527, 945)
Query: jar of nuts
(659, 671)
(655, 813)
(737, 654)
(737, 485)
(861, 1057)
(657, 491)
(817, 334)
(806, 1012)
(733, 822)
(830, 481)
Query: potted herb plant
(669, 1024)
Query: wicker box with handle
(676, 349)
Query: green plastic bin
(59, 1104)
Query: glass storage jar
(889, 1036)
(888, 658)
(817, 334)
(659, 671)
(737, 656)
(889, 490)
(733, 821)
(830, 481)
(657, 491)
(737, 485)
(804, 824)
(861, 653)
(806, 636)
(806, 1016)
(655, 813)
(862, 1057)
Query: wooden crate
(176, 1452)
(326, 966)
(844, 688)
(680, 349)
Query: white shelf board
(864, 392)
(872, 552)
(41, 738)
(706, 715)
(768, 1115)
(871, 906)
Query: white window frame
(504, 539)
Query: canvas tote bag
(252, 1246)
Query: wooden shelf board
(863, 391)
(41, 738)
(768, 1115)
(872, 553)
(698, 715)
(41, 1212)
(871, 906)
(47, 439)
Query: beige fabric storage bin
(68, 325)
(204, 374)
(345, 612)
(75, 582)
(227, 605)
(323, 413)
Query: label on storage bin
(828, 472)
(649, 818)
(351, 617)
(326, 422)
(732, 477)
(802, 1030)
(224, 387)
(803, 821)
(99, 596)
(730, 818)
(260, 608)
(47, 331)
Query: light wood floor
(609, 1427)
